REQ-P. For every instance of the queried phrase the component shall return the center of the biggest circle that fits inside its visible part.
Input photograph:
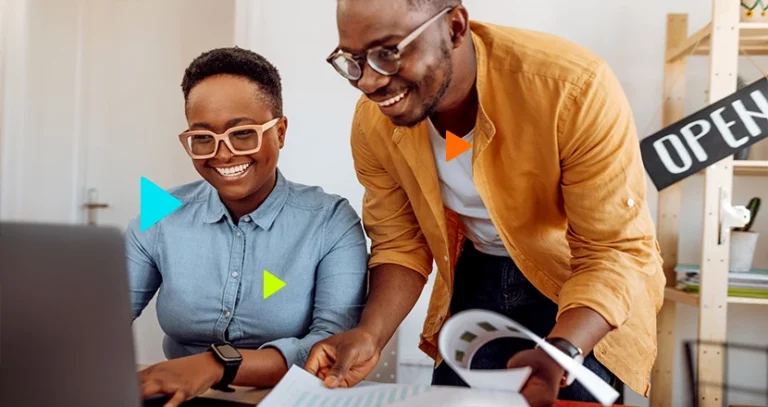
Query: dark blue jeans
(496, 284)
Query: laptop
(65, 320)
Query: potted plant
(744, 241)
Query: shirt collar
(264, 216)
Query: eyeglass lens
(383, 60)
(241, 140)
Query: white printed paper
(464, 333)
(299, 388)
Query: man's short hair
(432, 5)
(239, 62)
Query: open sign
(707, 136)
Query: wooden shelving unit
(753, 40)
(723, 40)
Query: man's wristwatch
(230, 358)
(569, 349)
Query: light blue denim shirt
(207, 270)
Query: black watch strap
(230, 372)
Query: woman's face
(219, 103)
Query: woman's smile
(233, 172)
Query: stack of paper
(460, 338)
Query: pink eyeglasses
(241, 140)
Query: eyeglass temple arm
(412, 36)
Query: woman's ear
(282, 129)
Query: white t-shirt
(460, 195)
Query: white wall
(40, 120)
(13, 104)
(317, 101)
(4, 21)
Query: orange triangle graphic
(455, 146)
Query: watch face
(228, 352)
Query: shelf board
(753, 40)
(750, 167)
(747, 167)
(682, 297)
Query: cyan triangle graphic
(155, 204)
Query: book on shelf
(750, 284)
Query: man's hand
(181, 379)
(345, 359)
(543, 385)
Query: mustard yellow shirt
(556, 160)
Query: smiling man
(543, 220)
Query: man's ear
(458, 25)
(282, 130)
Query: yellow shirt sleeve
(610, 231)
(388, 217)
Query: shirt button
(247, 219)
(445, 258)
(227, 314)
(234, 274)
(630, 202)
(238, 234)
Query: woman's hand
(181, 379)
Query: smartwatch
(569, 349)
(230, 358)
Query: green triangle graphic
(272, 284)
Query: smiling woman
(206, 261)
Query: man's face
(415, 92)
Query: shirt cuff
(292, 349)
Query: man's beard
(429, 107)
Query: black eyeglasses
(384, 60)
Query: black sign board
(707, 136)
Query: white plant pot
(743, 246)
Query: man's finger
(520, 359)
(336, 374)
(179, 397)
(317, 359)
(537, 395)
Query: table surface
(245, 395)
(254, 396)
